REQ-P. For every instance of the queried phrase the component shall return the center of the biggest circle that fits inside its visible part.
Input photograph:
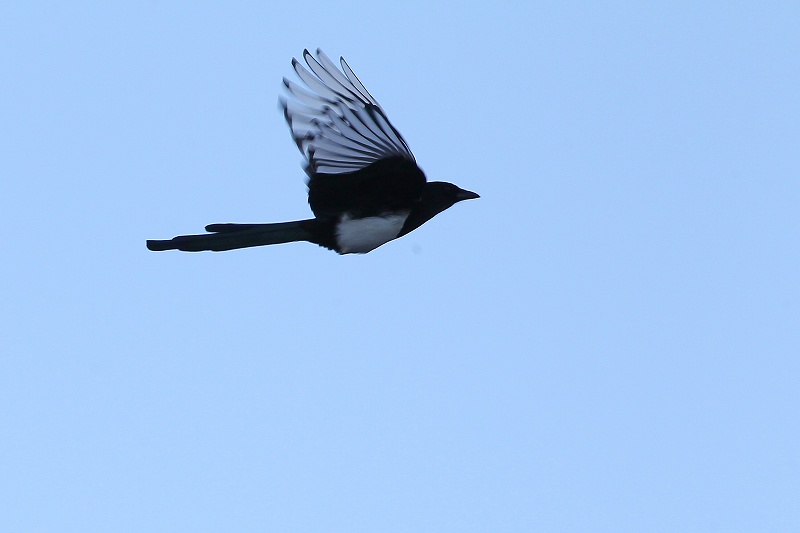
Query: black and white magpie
(364, 186)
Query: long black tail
(231, 236)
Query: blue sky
(607, 340)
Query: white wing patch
(362, 235)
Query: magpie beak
(464, 194)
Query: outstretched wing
(337, 125)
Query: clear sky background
(608, 340)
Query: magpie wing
(337, 124)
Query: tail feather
(232, 236)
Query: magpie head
(440, 195)
(436, 197)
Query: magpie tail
(223, 237)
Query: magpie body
(364, 186)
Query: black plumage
(364, 185)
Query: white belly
(361, 235)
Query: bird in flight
(364, 186)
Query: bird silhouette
(364, 186)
